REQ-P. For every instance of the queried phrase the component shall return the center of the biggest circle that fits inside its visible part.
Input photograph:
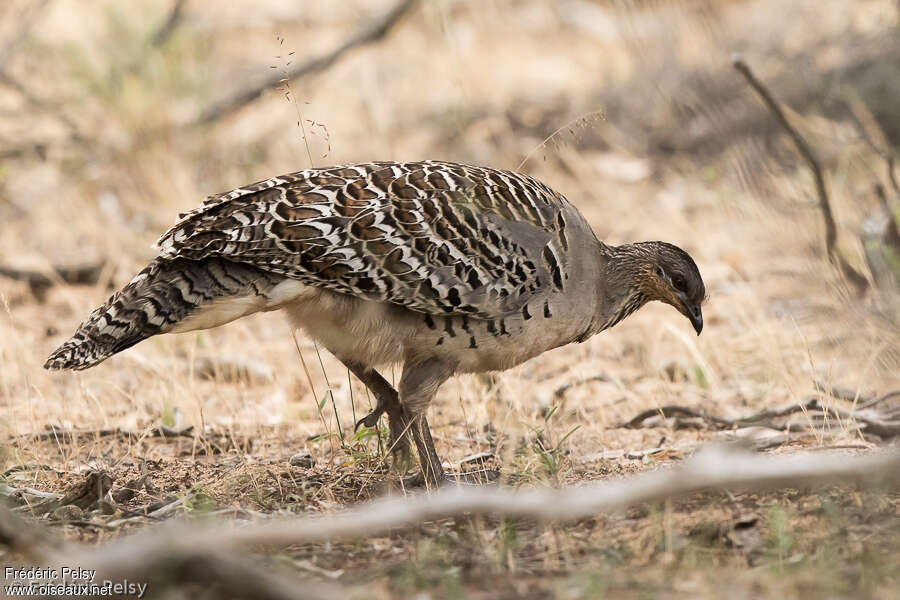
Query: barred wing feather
(436, 237)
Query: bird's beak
(696, 317)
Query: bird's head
(670, 275)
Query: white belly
(370, 333)
(377, 333)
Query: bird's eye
(678, 282)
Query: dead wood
(853, 276)
(875, 401)
(842, 393)
(671, 410)
(716, 468)
(370, 33)
(222, 574)
(866, 419)
(217, 555)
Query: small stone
(68, 512)
(302, 459)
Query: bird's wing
(439, 238)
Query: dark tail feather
(160, 296)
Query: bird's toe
(370, 420)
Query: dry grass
(484, 83)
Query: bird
(439, 267)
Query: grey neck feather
(621, 293)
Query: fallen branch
(868, 420)
(368, 34)
(880, 399)
(202, 552)
(217, 572)
(716, 468)
(853, 276)
(672, 410)
(842, 393)
(17, 493)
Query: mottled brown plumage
(445, 268)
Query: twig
(842, 393)
(869, 421)
(880, 399)
(853, 276)
(366, 35)
(170, 507)
(673, 410)
(563, 389)
(771, 413)
(14, 492)
(752, 419)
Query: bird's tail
(168, 295)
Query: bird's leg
(387, 401)
(418, 385)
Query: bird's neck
(620, 293)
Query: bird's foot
(401, 459)
(371, 419)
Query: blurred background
(116, 117)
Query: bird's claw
(370, 420)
